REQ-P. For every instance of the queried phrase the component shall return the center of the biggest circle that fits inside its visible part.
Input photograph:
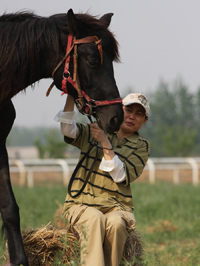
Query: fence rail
(176, 164)
(27, 167)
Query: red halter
(84, 103)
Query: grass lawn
(168, 218)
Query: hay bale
(133, 248)
(42, 245)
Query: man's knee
(116, 222)
(84, 214)
(94, 223)
(96, 217)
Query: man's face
(134, 118)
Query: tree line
(174, 121)
(172, 129)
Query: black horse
(32, 48)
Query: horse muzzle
(110, 117)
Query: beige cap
(137, 98)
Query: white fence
(27, 168)
(175, 164)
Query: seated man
(105, 207)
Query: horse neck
(26, 58)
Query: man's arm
(110, 162)
(69, 105)
(100, 136)
(66, 117)
(134, 164)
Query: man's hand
(100, 136)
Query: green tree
(22, 136)
(178, 141)
(52, 146)
(197, 122)
(171, 127)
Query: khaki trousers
(102, 236)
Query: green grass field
(168, 218)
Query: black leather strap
(88, 175)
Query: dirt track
(185, 176)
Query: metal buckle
(78, 105)
(90, 110)
(66, 75)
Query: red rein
(84, 105)
(66, 74)
(73, 42)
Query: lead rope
(95, 144)
(88, 175)
(79, 165)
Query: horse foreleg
(8, 206)
(10, 214)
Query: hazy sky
(159, 39)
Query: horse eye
(92, 62)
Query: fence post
(151, 166)
(65, 168)
(30, 179)
(176, 176)
(195, 170)
(22, 172)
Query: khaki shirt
(101, 191)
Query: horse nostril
(114, 123)
(114, 120)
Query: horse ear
(72, 22)
(106, 19)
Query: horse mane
(22, 35)
(20, 44)
(89, 25)
(109, 43)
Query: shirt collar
(133, 138)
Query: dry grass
(49, 243)
(42, 245)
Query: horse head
(94, 69)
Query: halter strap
(66, 75)
(84, 103)
(90, 39)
